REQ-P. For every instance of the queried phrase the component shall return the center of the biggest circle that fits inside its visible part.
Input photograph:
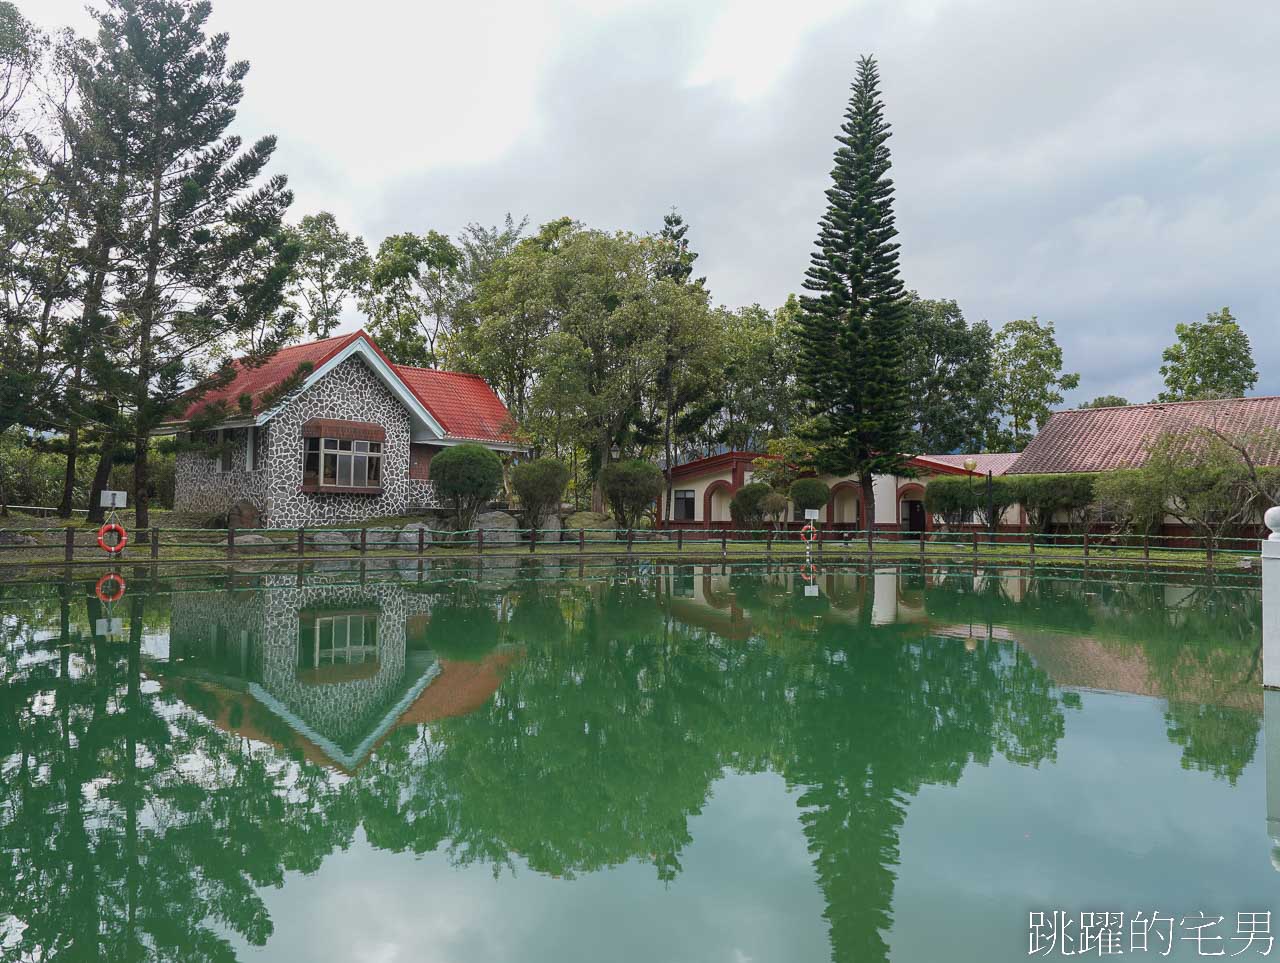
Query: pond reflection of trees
(136, 824)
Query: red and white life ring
(100, 589)
(122, 538)
(807, 534)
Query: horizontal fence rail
(80, 543)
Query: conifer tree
(202, 257)
(851, 327)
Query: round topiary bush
(539, 485)
(466, 477)
(630, 487)
(746, 508)
(808, 493)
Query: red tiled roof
(1103, 439)
(255, 381)
(995, 462)
(464, 404)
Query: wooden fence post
(768, 542)
(533, 539)
(922, 546)
(302, 541)
(71, 543)
(724, 541)
(231, 541)
(155, 542)
(975, 543)
(422, 544)
(364, 539)
(1146, 547)
(582, 540)
(1031, 542)
(1208, 550)
(818, 535)
(679, 539)
(479, 541)
(1086, 544)
(631, 537)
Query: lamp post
(971, 465)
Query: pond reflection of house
(340, 665)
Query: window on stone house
(225, 438)
(342, 463)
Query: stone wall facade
(351, 392)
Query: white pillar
(1271, 602)
(1271, 735)
(884, 598)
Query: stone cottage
(353, 440)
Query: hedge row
(1043, 497)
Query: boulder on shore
(251, 542)
(499, 528)
(244, 514)
(599, 521)
(409, 535)
(15, 539)
(330, 541)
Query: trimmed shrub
(745, 507)
(466, 477)
(631, 487)
(807, 493)
(956, 499)
(539, 485)
(774, 507)
(1045, 497)
(1131, 502)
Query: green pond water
(541, 762)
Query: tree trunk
(69, 477)
(868, 505)
(106, 458)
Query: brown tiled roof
(1103, 439)
(995, 462)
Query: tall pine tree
(851, 328)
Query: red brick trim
(344, 430)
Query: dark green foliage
(746, 507)
(951, 369)
(631, 487)
(1106, 401)
(852, 337)
(1130, 502)
(539, 485)
(1055, 499)
(809, 493)
(956, 498)
(1211, 359)
(466, 477)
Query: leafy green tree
(1211, 359)
(756, 391)
(466, 477)
(950, 367)
(810, 493)
(1106, 401)
(785, 460)
(774, 507)
(747, 505)
(631, 487)
(409, 298)
(539, 485)
(676, 260)
(202, 260)
(852, 356)
(1030, 378)
(332, 267)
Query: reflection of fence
(80, 544)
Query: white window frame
(338, 454)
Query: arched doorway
(845, 507)
(715, 502)
(913, 520)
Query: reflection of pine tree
(881, 717)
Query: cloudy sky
(1111, 166)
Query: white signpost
(810, 514)
(113, 499)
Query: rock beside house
(499, 528)
(409, 535)
(330, 541)
(587, 520)
(249, 542)
(549, 529)
(14, 539)
(244, 514)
